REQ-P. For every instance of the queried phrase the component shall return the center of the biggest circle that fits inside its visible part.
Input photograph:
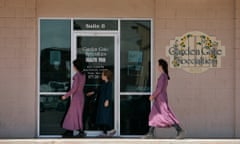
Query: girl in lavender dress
(73, 119)
(161, 115)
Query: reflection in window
(135, 56)
(99, 54)
(55, 65)
(52, 112)
(134, 114)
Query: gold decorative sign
(195, 52)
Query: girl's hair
(108, 74)
(79, 65)
(164, 64)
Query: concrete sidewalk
(119, 141)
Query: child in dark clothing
(105, 104)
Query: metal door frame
(116, 72)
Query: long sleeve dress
(73, 118)
(105, 114)
(161, 114)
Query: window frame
(39, 93)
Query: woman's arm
(161, 83)
(74, 88)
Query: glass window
(134, 114)
(97, 45)
(52, 112)
(55, 65)
(135, 56)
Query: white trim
(52, 93)
(116, 86)
(50, 136)
(90, 33)
(38, 81)
(119, 78)
(135, 93)
(152, 59)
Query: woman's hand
(63, 97)
(90, 93)
(151, 98)
(106, 103)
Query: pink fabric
(73, 119)
(161, 114)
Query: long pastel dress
(73, 118)
(161, 114)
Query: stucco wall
(237, 70)
(18, 68)
(204, 103)
(95, 8)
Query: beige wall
(96, 8)
(204, 103)
(18, 68)
(237, 70)
(207, 104)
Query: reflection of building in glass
(134, 114)
(100, 51)
(55, 70)
(135, 56)
(145, 45)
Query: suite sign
(195, 52)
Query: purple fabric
(73, 118)
(161, 114)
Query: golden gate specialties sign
(195, 52)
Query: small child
(105, 104)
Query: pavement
(118, 141)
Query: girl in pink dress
(73, 119)
(161, 115)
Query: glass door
(98, 51)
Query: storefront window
(55, 44)
(122, 46)
(52, 111)
(135, 56)
(134, 114)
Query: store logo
(195, 52)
